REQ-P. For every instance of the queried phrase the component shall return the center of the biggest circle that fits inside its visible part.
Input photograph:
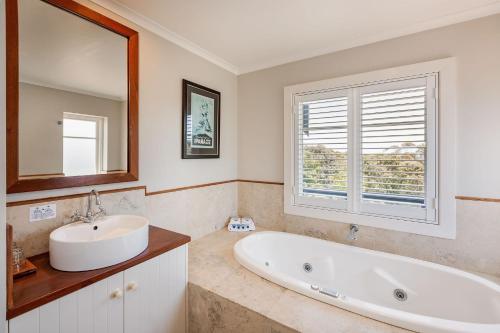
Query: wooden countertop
(48, 284)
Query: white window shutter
(394, 148)
(386, 167)
(322, 145)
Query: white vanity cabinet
(147, 298)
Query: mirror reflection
(72, 95)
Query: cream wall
(477, 50)
(40, 134)
(161, 122)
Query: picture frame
(200, 121)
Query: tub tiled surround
(264, 203)
(226, 297)
(210, 312)
(475, 248)
(195, 212)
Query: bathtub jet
(405, 292)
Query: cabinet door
(25, 323)
(58, 316)
(97, 308)
(155, 294)
(100, 306)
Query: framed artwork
(200, 121)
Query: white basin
(108, 241)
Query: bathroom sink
(108, 241)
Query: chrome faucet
(353, 232)
(90, 216)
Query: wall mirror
(72, 97)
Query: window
(83, 144)
(364, 149)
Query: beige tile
(263, 202)
(168, 211)
(212, 264)
(209, 312)
(196, 212)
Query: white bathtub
(438, 298)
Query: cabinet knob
(132, 286)
(117, 293)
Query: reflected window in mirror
(83, 144)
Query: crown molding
(155, 27)
(165, 33)
(463, 16)
(38, 83)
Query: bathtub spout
(353, 232)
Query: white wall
(162, 66)
(476, 46)
(40, 134)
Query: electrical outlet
(45, 212)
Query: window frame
(443, 128)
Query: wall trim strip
(211, 184)
(184, 188)
(260, 182)
(461, 197)
(71, 196)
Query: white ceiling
(63, 51)
(244, 36)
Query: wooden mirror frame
(16, 185)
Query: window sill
(419, 227)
